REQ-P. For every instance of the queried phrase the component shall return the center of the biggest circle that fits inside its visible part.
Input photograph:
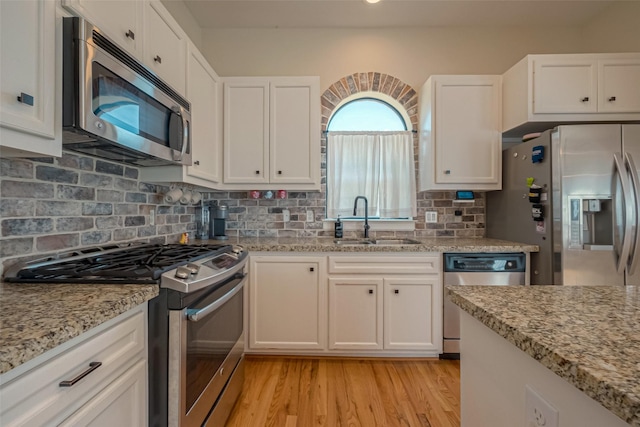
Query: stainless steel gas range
(196, 337)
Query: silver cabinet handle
(447, 172)
(158, 59)
(130, 34)
(585, 99)
(25, 98)
(92, 367)
(611, 98)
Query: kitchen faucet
(366, 214)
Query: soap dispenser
(338, 229)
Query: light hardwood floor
(301, 392)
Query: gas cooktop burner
(136, 263)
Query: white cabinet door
(246, 132)
(618, 83)
(543, 91)
(203, 91)
(120, 20)
(460, 133)
(272, 133)
(28, 61)
(294, 130)
(121, 403)
(564, 86)
(411, 320)
(287, 303)
(165, 45)
(355, 313)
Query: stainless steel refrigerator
(574, 191)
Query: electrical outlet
(431, 216)
(152, 217)
(539, 412)
(286, 215)
(309, 216)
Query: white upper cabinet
(28, 83)
(272, 133)
(165, 46)
(542, 91)
(294, 131)
(204, 92)
(618, 86)
(460, 136)
(246, 131)
(564, 86)
(120, 20)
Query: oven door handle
(195, 315)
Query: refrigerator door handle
(622, 251)
(635, 180)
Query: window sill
(374, 224)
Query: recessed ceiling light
(372, 1)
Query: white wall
(616, 30)
(411, 55)
(180, 13)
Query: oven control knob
(183, 272)
(193, 268)
(237, 250)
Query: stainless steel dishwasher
(494, 269)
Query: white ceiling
(392, 13)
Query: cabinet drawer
(36, 398)
(385, 264)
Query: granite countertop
(590, 335)
(35, 318)
(327, 244)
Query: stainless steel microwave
(116, 108)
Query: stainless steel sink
(380, 242)
(395, 242)
(353, 242)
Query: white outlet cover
(539, 412)
(431, 217)
(309, 216)
(152, 217)
(286, 215)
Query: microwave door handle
(185, 131)
(622, 252)
(635, 180)
(199, 314)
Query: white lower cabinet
(364, 304)
(408, 317)
(392, 313)
(121, 403)
(111, 393)
(287, 302)
(355, 313)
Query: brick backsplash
(263, 217)
(58, 204)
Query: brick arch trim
(355, 83)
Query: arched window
(370, 154)
(366, 114)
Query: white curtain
(377, 165)
(397, 176)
